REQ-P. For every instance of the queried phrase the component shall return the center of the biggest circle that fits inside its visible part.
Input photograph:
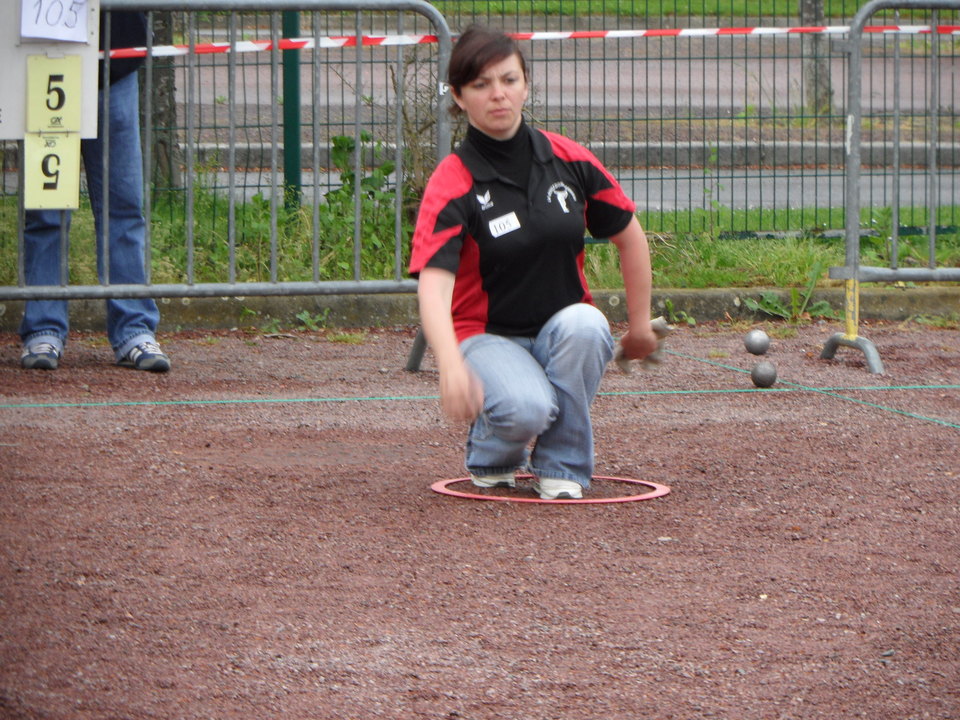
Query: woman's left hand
(639, 342)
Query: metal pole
(232, 152)
(357, 151)
(852, 189)
(21, 218)
(147, 153)
(292, 181)
(934, 196)
(275, 81)
(104, 160)
(895, 200)
(398, 162)
(192, 79)
(315, 89)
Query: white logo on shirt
(563, 193)
(485, 202)
(504, 224)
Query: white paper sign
(62, 20)
(504, 224)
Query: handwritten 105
(57, 13)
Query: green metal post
(293, 184)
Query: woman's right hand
(461, 393)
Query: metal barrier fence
(192, 164)
(716, 129)
(727, 132)
(853, 273)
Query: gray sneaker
(40, 355)
(146, 356)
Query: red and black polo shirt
(517, 252)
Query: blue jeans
(130, 321)
(539, 389)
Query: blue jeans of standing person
(130, 321)
(539, 389)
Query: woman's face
(494, 100)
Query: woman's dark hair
(476, 48)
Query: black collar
(482, 171)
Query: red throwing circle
(656, 490)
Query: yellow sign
(51, 171)
(54, 97)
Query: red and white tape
(716, 32)
(245, 46)
(330, 42)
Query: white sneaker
(555, 489)
(494, 481)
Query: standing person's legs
(130, 321)
(574, 348)
(45, 323)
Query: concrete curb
(401, 309)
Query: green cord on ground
(834, 392)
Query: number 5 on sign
(53, 93)
(51, 171)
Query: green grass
(296, 244)
(688, 249)
(703, 261)
(695, 249)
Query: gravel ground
(254, 535)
